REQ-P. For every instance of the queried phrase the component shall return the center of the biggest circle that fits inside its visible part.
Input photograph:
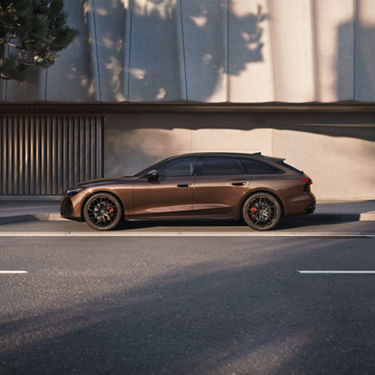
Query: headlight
(73, 191)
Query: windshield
(150, 168)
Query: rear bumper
(311, 207)
(302, 204)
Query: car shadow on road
(285, 223)
(178, 223)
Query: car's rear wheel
(102, 211)
(261, 211)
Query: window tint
(217, 166)
(178, 168)
(257, 167)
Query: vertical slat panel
(99, 150)
(37, 155)
(93, 147)
(43, 181)
(4, 156)
(1, 156)
(27, 154)
(66, 153)
(41, 154)
(15, 155)
(48, 156)
(10, 156)
(60, 156)
(32, 156)
(71, 150)
(87, 148)
(76, 150)
(21, 157)
(54, 155)
(82, 148)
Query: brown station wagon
(256, 188)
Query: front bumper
(66, 208)
(70, 208)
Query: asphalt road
(182, 305)
(286, 226)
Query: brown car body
(195, 196)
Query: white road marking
(10, 272)
(185, 234)
(338, 272)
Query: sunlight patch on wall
(199, 21)
(338, 166)
(164, 8)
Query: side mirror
(152, 175)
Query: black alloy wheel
(261, 211)
(102, 211)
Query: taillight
(306, 180)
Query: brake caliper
(253, 210)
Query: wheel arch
(256, 191)
(98, 192)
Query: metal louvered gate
(45, 154)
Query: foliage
(32, 32)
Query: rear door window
(219, 166)
(257, 167)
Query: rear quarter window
(290, 167)
(258, 167)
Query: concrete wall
(336, 150)
(210, 51)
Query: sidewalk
(18, 211)
(326, 211)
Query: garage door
(44, 155)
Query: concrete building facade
(289, 78)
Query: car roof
(256, 155)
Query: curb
(308, 219)
(367, 216)
(54, 216)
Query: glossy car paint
(193, 196)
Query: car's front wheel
(102, 211)
(261, 211)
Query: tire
(103, 211)
(261, 211)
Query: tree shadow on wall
(175, 50)
(361, 63)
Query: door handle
(239, 183)
(183, 185)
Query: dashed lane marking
(337, 272)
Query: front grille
(66, 209)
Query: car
(256, 188)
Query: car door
(171, 194)
(219, 186)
